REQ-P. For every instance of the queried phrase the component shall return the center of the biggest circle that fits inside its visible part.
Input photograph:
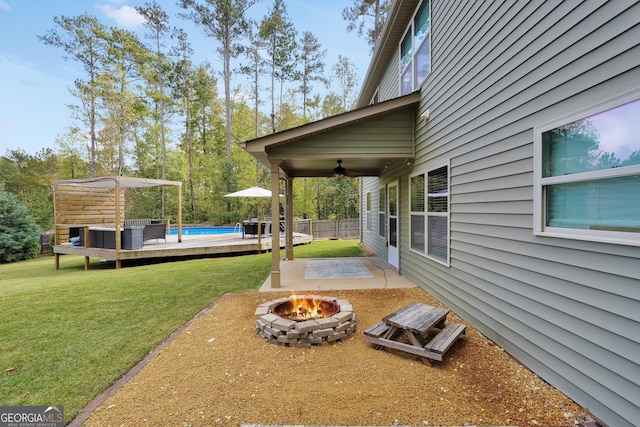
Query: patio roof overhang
(365, 139)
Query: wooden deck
(191, 246)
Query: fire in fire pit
(305, 320)
(301, 308)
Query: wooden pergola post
(85, 231)
(117, 224)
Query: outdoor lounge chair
(251, 227)
(153, 229)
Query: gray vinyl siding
(391, 134)
(372, 239)
(389, 87)
(568, 309)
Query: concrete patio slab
(292, 276)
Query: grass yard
(67, 335)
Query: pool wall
(202, 230)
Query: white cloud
(5, 6)
(125, 16)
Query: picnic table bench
(417, 322)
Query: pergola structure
(99, 202)
(366, 141)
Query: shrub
(19, 232)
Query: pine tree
(226, 22)
(356, 14)
(346, 80)
(82, 39)
(280, 36)
(157, 21)
(312, 64)
(19, 233)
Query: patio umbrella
(254, 192)
(250, 192)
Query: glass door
(393, 251)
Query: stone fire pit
(284, 322)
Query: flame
(304, 308)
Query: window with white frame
(429, 206)
(416, 184)
(368, 208)
(415, 50)
(382, 216)
(588, 174)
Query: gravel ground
(218, 372)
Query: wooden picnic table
(417, 322)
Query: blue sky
(35, 79)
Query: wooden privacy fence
(79, 205)
(329, 229)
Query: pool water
(201, 230)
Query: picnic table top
(416, 317)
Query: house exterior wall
(568, 309)
(370, 234)
(389, 86)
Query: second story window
(415, 50)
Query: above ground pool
(204, 230)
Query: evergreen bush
(19, 232)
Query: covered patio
(362, 142)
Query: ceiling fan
(341, 171)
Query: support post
(259, 231)
(275, 216)
(117, 225)
(179, 214)
(87, 244)
(288, 228)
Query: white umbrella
(251, 192)
(254, 191)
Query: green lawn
(67, 335)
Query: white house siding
(568, 309)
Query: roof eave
(258, 147)
(399, 15)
